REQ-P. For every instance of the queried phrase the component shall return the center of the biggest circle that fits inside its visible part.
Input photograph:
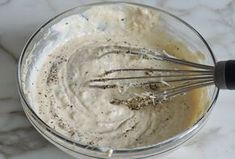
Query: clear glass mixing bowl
(176, 27)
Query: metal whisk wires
(172, 81)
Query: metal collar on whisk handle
(225, 74)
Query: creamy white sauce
(64, 101)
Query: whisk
(192, 76)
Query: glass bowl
(176, 27)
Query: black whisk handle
(225, 74)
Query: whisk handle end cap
(230, 74)
(225, 74)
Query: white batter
(64, 101)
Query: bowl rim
(96, 148)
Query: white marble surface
(214, 19)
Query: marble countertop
(214, 19)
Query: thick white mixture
(63, 100)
